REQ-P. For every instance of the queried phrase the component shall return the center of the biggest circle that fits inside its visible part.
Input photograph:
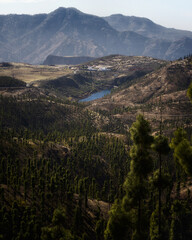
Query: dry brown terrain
(144, 85)
(79, 81)
(161, 93)
(32, 73)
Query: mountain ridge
(70, 32)
(145, 26)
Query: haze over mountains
(69, 32)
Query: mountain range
(69, 32)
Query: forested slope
(52, 156)
(73, 171)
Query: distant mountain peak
(145, 27)
(70, 32)
(66, 10)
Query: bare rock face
(69, 32)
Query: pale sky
(169, 13)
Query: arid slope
(163, 90)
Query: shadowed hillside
(56, 60)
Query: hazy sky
(169, 13)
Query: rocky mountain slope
(69, 32)
(159, 94)
(145, 27)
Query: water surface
(96, 95)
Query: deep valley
(113, 168)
